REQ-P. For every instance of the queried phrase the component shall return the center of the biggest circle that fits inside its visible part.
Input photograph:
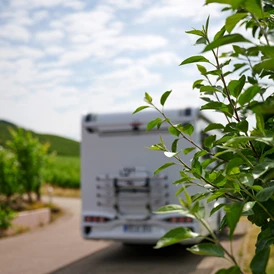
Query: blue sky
(60, 59)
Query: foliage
(63, 172)
(31, 156)
(239, 166)
(8, 173)
(59, 145)
(6, 216)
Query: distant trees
(21, 166)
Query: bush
(239, 166)
(31, 156)
(8, 174)
(6, 216)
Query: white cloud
(14, 52)
(113, 91)
(54, 50)
(49, 36)
(32, 4)
(154, 59)
(17, 17)
(14, 32)
(40, 15)
(164, 10)
(126, 4)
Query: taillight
(96, 219)
(180, 220)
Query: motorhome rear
(120, 193)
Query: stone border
(31, 219)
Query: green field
(63, 171)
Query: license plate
(137, 228)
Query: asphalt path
(46, 249)
(59, 249)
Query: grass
(63, 172)
(60, 192)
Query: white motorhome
(120, 193)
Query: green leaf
(216, 208)
(232, 270)
(218, 1)
(247, 210)
(217, 72)
(235, 86)
(264, 194)
(236, 4)
(188, 197)
(254, 7)
(148, 98)
(174, 145)
(156, 147)
(233, 20)
(169, 209)
(267, 65)
(260, 122)
(267, 51)
(220, 33)
(202, 69)
(195, 32)
(153, 123)
(213, 126)
(243, 126)
(210, 89)
(225, 40)
(176, 235)
(183, 180)
(209, 140)
(194, 59)
(262, 168)
(218, 106)
(172, 130)
(207, 162)
(187, 129)
(180, 190)
(140, 108)
(234, 212)
(233, 166)
(164, 166)
(207, 23)
(164, 97)
(197, 84)
(207, 249)
(201, 40)
(259, 261)
(247, 180)
(188, 150)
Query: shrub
(8, 174)
(240, 165)
(6, 216)
(31, 157)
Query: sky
(61, 59)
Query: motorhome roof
(145, 116)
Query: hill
(61, 145)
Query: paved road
(49, 248)
(59, 249)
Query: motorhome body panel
(117, 178)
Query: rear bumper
(116, 231)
